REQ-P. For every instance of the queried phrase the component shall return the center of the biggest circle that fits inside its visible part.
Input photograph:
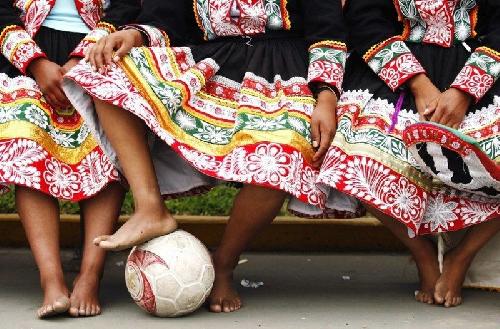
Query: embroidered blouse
(20, 20)
(381, 29)
(320, 22)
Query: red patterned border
(18, 47)
(327, 63)
(379, 186)
(393, 62)
(26, 163)
(479, 74)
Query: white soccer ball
(171, 275)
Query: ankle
(224, 264)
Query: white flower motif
(185, 121)
(62, 180)
(213, 134)
(9, 113)
(269, 164)
(36, 116)
(439, 214)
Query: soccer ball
(171, 275)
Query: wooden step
(285, 234)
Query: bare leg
(423, 251)
(253, 209)
(458, 261)
(40, 217)
(99, 214)
(151, 219)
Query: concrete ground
(300, 291)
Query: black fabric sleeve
(370, 22)
(9, 15)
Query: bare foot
(223, 297)
(85, 296)
(448, 291)
(55, 300)
(141, 227)
(428, 272)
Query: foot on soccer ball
(85, 296)
(448, 291)
(223, 297)
(141, 227)
(428, 272)
(55, 301)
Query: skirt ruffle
(47, 149)
(232, 111)
(368, 158)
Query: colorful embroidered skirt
(43, 148)
(369, 160)
(233, 110)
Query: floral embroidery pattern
(217, 17)
(389, 178)
(33, 158)
(440, 22)
(255, 132)
(479, 74)
(393, 62)
(326, 63)
(18, 47)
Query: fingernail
(116, 59)
(315, 144)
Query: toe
(109, 245)
(73, 311)
(101, 238)
(216, 306)
(438, 298)
(93, 311)
(81, 311)
(88, 310)
(226, 307)
(98, 310)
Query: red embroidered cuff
(155, 37)
(18, 47)
(480, 72)
(326, 63)
(101, 30)
(393, 62)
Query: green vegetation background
(217, 202)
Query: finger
(61, 98)
(315, 134)
(324, 145)
(438, 114)
(99, 54)
(91, 57)
(123, 50)
(51, 100)
(430, 108)
(107, 52)
(88, 52)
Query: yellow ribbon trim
(241, 138)
(21, 129)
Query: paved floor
(300, 291)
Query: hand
(48, 76)
(323, 125)
(425, 93)
(121, 42)
(451, 108)
(70, 64)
